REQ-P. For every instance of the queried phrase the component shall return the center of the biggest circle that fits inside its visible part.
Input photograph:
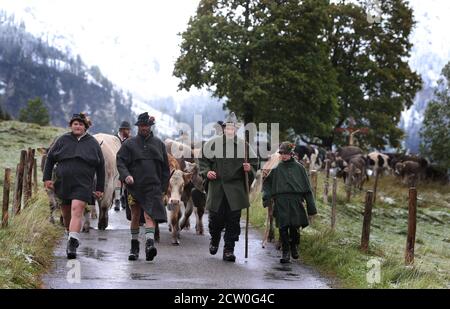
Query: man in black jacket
(79, 158)
(143, 165)
(120, 193)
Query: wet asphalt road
(103, 263)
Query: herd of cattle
(186, 193)
(355, 166)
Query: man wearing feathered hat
(79, 158)
(227, 195)
(143, 165)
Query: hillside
(30, 67)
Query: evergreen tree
(35, 112)
(436, 124)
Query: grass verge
(336, 253)
(26, 246)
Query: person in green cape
(289, 188)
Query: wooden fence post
(314, 182)
(333, 204)
(348, 182)
(19, 182)
(327, 181)
(6, 190)
(375, 185)
(365, 235)
(30, 161)
(25, 182)
(412, 217)
(35, 179)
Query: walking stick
(248, 191)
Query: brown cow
(193, 195)
(177, 182)
(409, 171)
(273, 162)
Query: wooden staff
(247, 218)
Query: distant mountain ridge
(29, 68)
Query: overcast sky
(135, 42)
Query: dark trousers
(289, 235)
(225, 218)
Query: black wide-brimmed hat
(82, 118)
(145, 119)
(125, 125)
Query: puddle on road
(137, 276)
(282, 273)
(95, 253)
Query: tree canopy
(309, 65)
(436, 124)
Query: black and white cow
(377, 161)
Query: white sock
(74, 235)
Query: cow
(409, 171)
(344, 154)
(356, 172)
(395, 158)
(377, 162)
(110, 145)
(311, 156)
(437, 174)
(273, 162)
(53, 203)
(198, 197)
(193, 195)
(352, 170)
(177, 182)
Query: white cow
(110, 145)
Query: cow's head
(176, 186)
(399, 166)
(196, 179)
(339, 166)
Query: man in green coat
(223, 164)
(288, 185)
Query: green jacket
(288, 185)
(230, 180)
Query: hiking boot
(285, 258)
(228, 255)
(72, 245)
(134, 251)
(213, 247)
(150, 250)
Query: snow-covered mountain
(430, 53)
